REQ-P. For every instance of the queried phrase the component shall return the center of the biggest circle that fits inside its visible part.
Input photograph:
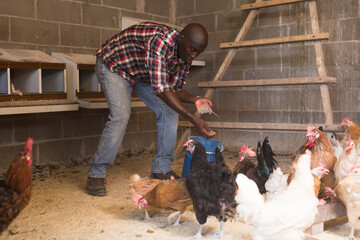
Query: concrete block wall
(282, 104)
(70, 26)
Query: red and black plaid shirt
(146, 52)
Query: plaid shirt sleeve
(157, 52)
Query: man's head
(193, 40)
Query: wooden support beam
(267, 4)
(268, 126)
(325, 96)
(281, 40)
(268, 82)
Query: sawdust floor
(60, 208)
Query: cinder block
(241, 99)
(339, 53)
(163, 20)
(6, 130)
(107, 34)
(185, 8)
(133, 124)
(158, 7)
(266, 73)
(273, 32)
(243, 59)
(259, 116)
(90, 1)
(60, 151)
(100, 16)
(18, 8)
(349, 29)
(137, 141)
(37, 128)
(207, 20)
(49, 10)
(207, 6)
(280, 100)
(268, 57)
(4, 28)
(83, 125)
(8, 154)
(236, 138)
(30, 31)
(80, 36)
(284, 141)
(230, 20)
(144, 16)
(130, 5)
(269, 16)
(147, 121)
(215, 38)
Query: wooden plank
(90, 67)
(268, 126)
(268, 82)
(31, 97)
(224, 66)
(281, 40)
(267, 4)
(325, 96)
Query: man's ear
(181, 38)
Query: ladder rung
(268, 82)
(267, 41)
(268, 4)
(268, 126)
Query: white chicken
(346, 161)
(348, 192)
(287, 215)
(276, 183)
(335, 144)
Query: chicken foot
(219, 234)
(198, 234)
(177, 222)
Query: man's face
(189, 49)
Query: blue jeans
(118, 95)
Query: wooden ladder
(322, 79)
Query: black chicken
(210, 185)
(265, 164)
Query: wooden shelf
(281, 40)
(268, 82)
(268, 4)
(267, 126)
(83, 86)
(28, 77)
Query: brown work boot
(96, 187)
(164, 176)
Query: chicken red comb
(247, 150)
(29, 144)
(345, 119)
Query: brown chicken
(348, 192)
(352, 130)
(164, 194)
(320, 148)
(15, 189)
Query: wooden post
(325, 96)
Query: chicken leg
(177, 222)
(198, 234)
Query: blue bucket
(210, 146)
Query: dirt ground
(60, 208)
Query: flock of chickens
(280, 206)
